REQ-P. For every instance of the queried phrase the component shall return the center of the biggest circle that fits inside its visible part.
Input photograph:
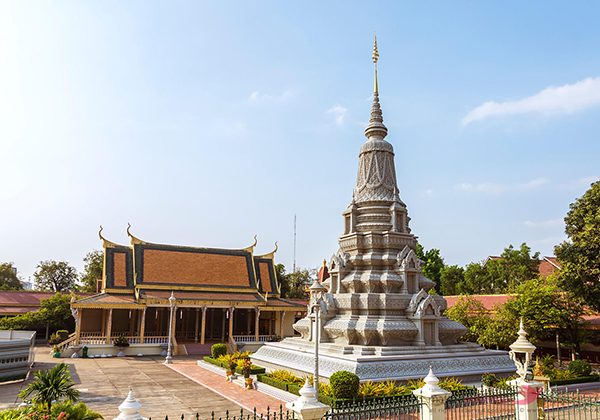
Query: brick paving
(248, 399)
(103, 384)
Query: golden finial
(105, 242)
(251, 247)
(375, 60)
(134, 240)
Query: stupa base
(467, 361)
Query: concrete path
(104, 384)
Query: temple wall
(91, 320)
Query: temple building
(377, 317)
(221, 295)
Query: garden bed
(254, 370)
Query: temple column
(256, 324)
(109, 325)
(78, 324)
(231, 322)
(281, 323)
(223, 314)
(142, 329)
(203, 326)
(196, 326)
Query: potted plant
(231, 368)
(55, 351)
(121, 342)
(246, 369)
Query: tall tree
(55, 276)
(8, 277)
(451, 277)
(432, 265)
(477, 280)
(92, 270)
(472, 314)
(580, 255)
(293, 285)
(515, 266)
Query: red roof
(489, 302)
(20, 298)
(548, 265)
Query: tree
(8, 277)
(501, 331)
(92, 271)
(472, 314)
(580, 255)
(55, 276)
(514, 267)
(451, 276)
(54, 312)
(293, 285)
(476, 280)
(50, 385)
(432, 265)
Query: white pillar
(433, 398)
(307, 406)
(526, 406)
(130, 408)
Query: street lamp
(169, 358)
(520, 353)
(317, 293)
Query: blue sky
(206, 123)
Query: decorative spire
(376, 127)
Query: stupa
(378, 318)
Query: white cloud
(544, 224)
(497, 188)
(258, 96)
(339, 114)
(427, 193)
(565, 99)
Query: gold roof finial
(375, 60)
(105, 242)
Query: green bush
(344, 384)
(219, 349)
(54, 339)
(580, 368)
(580, 380)
(489, 379)
(63, 334)
(60, 411)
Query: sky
(205, 123)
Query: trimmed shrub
(489, 379)
(219, 349)
(580, 368)
(344, 384)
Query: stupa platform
(467, 361)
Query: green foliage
(92, 270)
(121, 341)
(450, 277)
(501, 330)
(489, 379)
(580, 255)
(64, 410)
(432, 265)
(294, 285)
(55, 276)
(286, 376)
(218, 349)
(54, 311)
(453, 384)
(50, 385)
(472, 314)
(344, 384)
(580, 368)
(382, 389)
(8, 277)
(544, 366)
(253, 369)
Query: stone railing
(252, 338)
(16, 353)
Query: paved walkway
(245, 398)
(104, 383)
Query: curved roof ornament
(134, 240)
(105, 242)
(251, 247)
(271, 254)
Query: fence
(280, 414)
(492, 403)
(568, 406)
(396, 408)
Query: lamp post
(521, 352)
(317, 291)
(169, 357)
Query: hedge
(344, 384)
(581, 379)
(255, 370)
(219, 349)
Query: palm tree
(51, 385)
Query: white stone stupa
(378, 319)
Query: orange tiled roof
(490, 302)
(106, 299)
(207, 296)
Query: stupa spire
(376, 127)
